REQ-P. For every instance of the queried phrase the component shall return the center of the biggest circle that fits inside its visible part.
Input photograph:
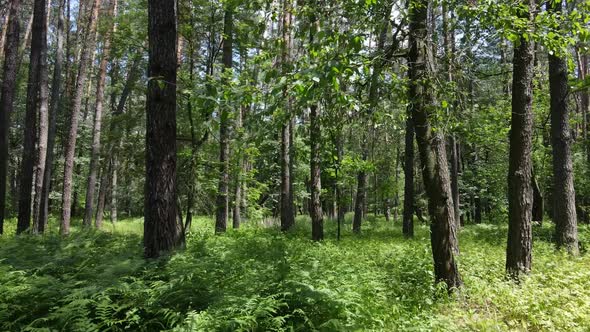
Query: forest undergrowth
(258, 279)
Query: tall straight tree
(564, 196)
(431, 145)
(315, 138)
(43, 117)
(7, 98)
(87, 48)
(98, 107)
(224, 124)
(287, 207)
(161, 231)
(54, 107)
(520, 191)
(38, 48)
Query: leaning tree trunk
(96, 131)
(224, 123)
(54, 107)
(161, 230)
(70, 152)
(38, 43)
(564, 196)
(7, 99)
(520, 192)
(431, 146)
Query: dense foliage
(259, 279)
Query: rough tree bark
(520, 192)
(564, 196)
(7, 99)
(97, 126)
(431, 146)
(33, 117)
(222, 212)
(161, 232)
(70, 150)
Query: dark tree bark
(70, 151)
(538, 206)
(520, 192)
(564, 196)
(35, 99)
(431, 146)
(408, 214)
(224, 123)
(287, 205)
(97, 126)
(7, 98)
(161, 233)
(43, 118)
(53, 110)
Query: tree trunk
(162, 232)
(237, 214)
(224, 123)
(564, 196)
(431, 146)
(315, 137)
(96, 131)
(287, 208)
(408, 214)
(538, 205)
(34, 99)
(7, 99)
(520, 192)
(361, 191)
(87, 48)
(54, 107)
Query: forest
(294, 165)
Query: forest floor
(257, 279)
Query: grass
(258, 279)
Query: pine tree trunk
(520, 192)
(96, 131)
(236, 217)
(408, 214)
(70, 151)
(162, 233)
(431, 146)
(7, 99)
(34, 99)
(53, 110)
(224, 123)
(361, 191)
(564, 196)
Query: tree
(286, 134)
(7, 98)
(36, 109)
(564, 200)
(520, 191)
(95, 149)
(53, 111)
(161, 231)
(224, 123)
(88, 44)
(408, 214)
(431, 147)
